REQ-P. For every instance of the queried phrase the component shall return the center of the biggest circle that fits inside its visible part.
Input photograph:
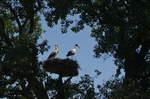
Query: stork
(54, 53)
(73, 51)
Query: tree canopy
(120, 27)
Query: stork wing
(52, 55)
(70, 53)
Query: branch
(25, 22)
(31, 24)
(68, 80)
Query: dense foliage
(120, 27)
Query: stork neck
(57, 48)
(75, 47)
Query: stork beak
(56, 46)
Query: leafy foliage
(19, 67)
(120, 27)
(21, 74)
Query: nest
(63, 67)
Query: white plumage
(72, 51)
(54, 53)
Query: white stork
(55, 52)
(73, 51)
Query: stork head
(56, 46)
(77, 45)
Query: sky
(84, 56)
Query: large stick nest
(63, 67)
